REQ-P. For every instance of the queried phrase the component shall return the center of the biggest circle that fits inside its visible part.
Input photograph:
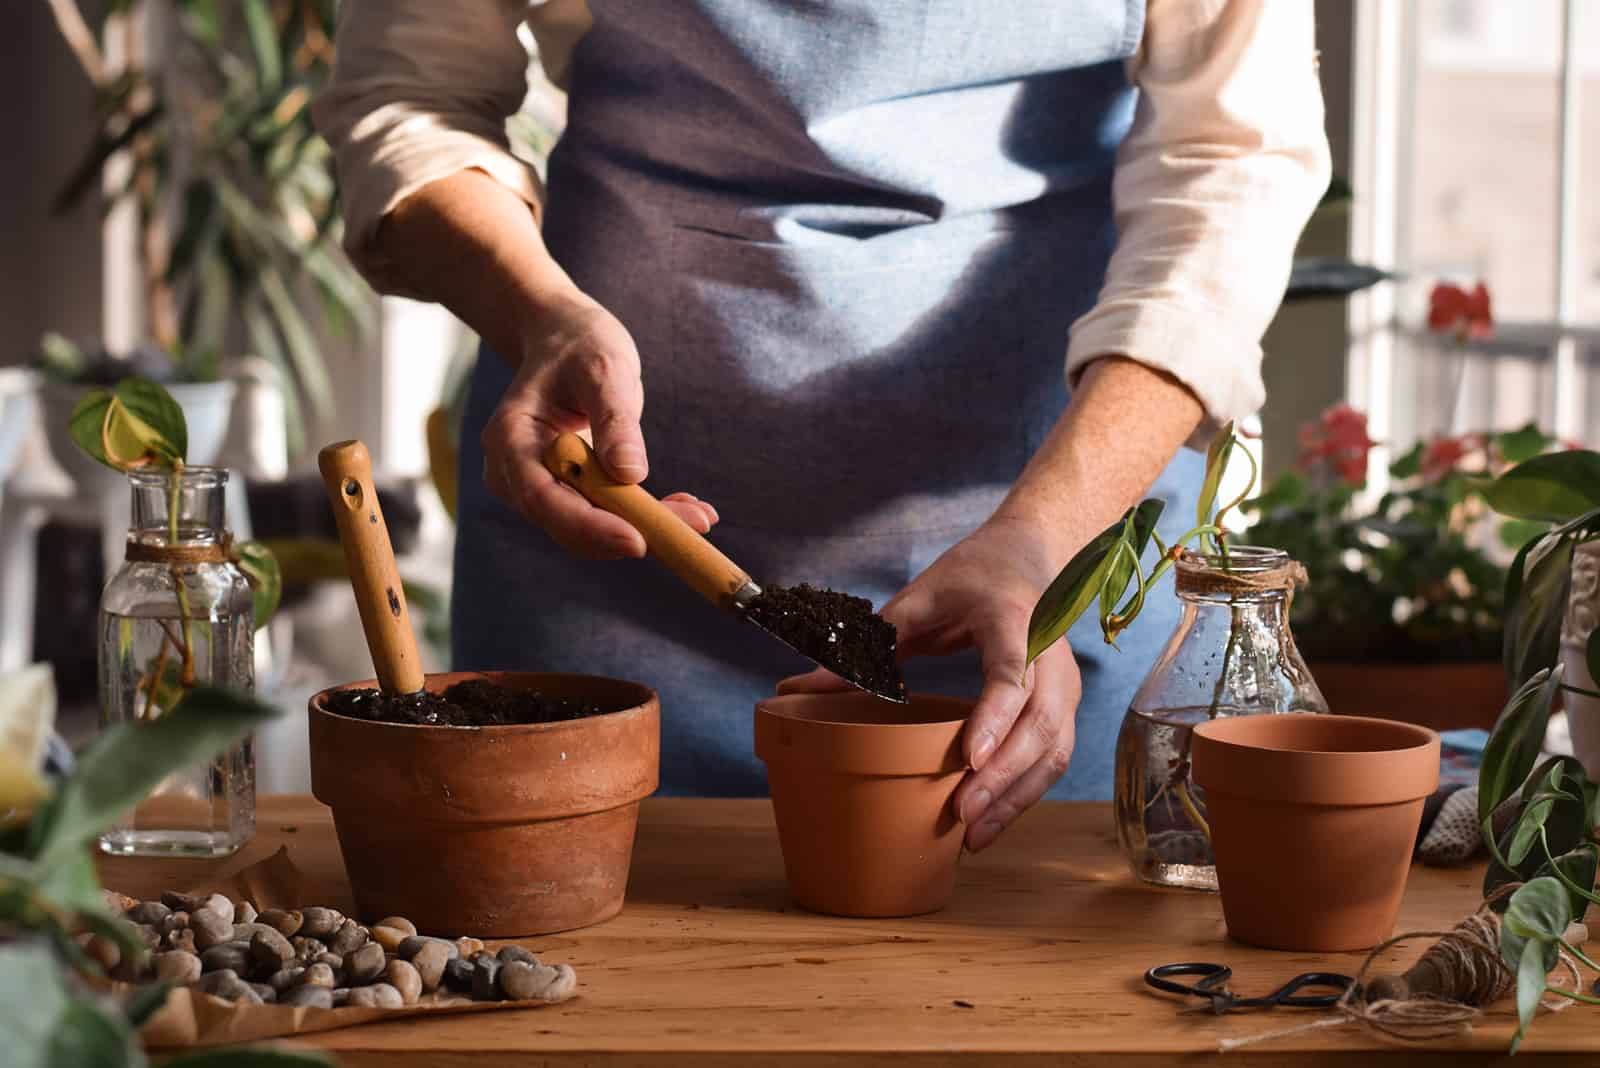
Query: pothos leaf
(266, 579)
(1137, 528)
(1537, 586)
(1518, 736)
(1073, 590)
(1533, 966)
(1217, 455)
(1579, 865)
(1527, 829)
(1534, 922)
(154, 407)
(137, 425)
(1554, 487)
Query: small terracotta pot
(1313, 820)
(1445, 696)
(491, 831)
(861, 790)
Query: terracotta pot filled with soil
(1313, 820)
(861, 789)
(496, 805)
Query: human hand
(1019, 738)
(578, 372)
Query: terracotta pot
(1442, 696)
(861, 790)
(491, 831)
(1313, 820)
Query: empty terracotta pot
(861, 789)
(1313, 820)
(491, 831)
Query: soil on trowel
(836, 630)
(470, 703)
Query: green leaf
(61, 358)
(1217, 455)
(1537, 585)
(1288, 490)
(72, 885)
(1534, 922)
(1136, 531)
(1533, 966)
(249, 1058)
(266, 579)
(1527, 830)
(145, 425)
(1409, 465)
(32, 1001)
(153, 406)
(88, 1036)
(144, 1002)
(122, 765)
(1515, 533)
(1524, 444)
(263, 34)
(1580, 865)
(1518, 736)
(1554, 487)
(88, 172)
(1074, 589)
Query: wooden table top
(1038, 960)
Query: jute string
(1472, 974)
(1289, 576)
(143, 552)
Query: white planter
(1583, 614)
(19, 389)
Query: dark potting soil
(837, 630)
(470, 703)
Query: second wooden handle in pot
(672, 541)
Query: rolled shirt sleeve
(1226, 160)
(421, 90)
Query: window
(1475, 121)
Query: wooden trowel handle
(347, 472)
(672, 541)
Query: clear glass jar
(1232, 654)
(177, 588)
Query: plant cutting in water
(1550, 847)
(1109, 569)
(138, 426)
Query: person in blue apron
(906, 298)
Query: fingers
(1002, 650)
(1035, 751)
(609, 391)
(692, 510)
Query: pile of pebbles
(315, 957)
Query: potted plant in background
(203, 132)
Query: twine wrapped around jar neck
(145, 552)
(1203, 578)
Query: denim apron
(849, 238)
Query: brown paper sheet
(190, 1018)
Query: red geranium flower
(1341, 441)
(1454, 310)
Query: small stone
(389, 937)
(245, 913)
(521, 981)
(287, 978)
(151, 912)
(308, 997)
(229, 956)
(364, 965)
(469, 947)
(118, 903)
(485, 972)
(341, 996)
(177, 967)
(131, 969)
(244, 932)
(404, 978)
(270, 947)
(511, 953)
(148, 935)
(181, 902)
(285, 922)
(399, 923)
(175, 921)
(265, 992)
(225, 984)
(221, 906)
(457, 975)
(209, 927)
(103, 952)
(376, 996)
(320, 922)
(350, 937)
(318, 975)
(430, 962)
(180, 940)
(306, 949)
(332, 960)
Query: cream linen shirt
(1224, 163)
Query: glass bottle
(178, 587)
(1232, 654)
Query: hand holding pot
(578, 371)
(980, 594)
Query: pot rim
(317, 704)
(786, 735)
(1295, 774)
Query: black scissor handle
(1289, 994)
(1213, 978)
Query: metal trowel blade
(749, 591)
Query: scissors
(1213, 985)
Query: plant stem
(186, 648)
(1576, 952)
(1189, 807)
(1573, 994)
(1580, 690)
(1561, 876)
